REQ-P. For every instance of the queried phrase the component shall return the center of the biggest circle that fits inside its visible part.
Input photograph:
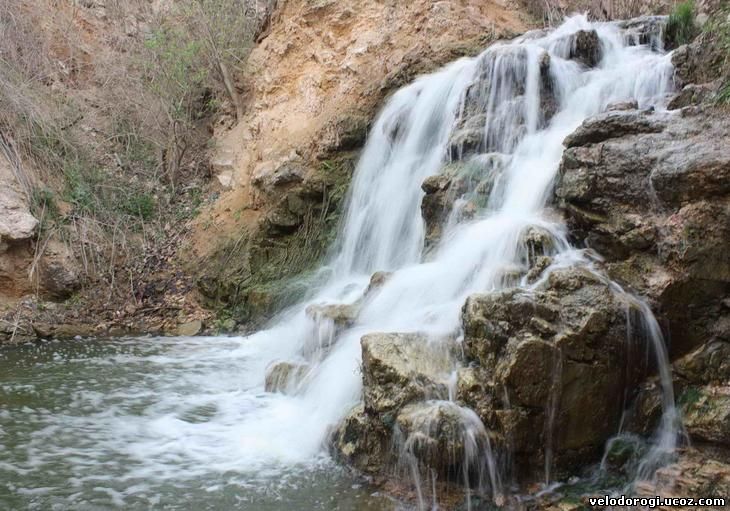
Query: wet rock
(456, 190)
(362, 442)
(696, 472)
(615, 124)
(694, 95)
(283, 376)
(341, 315)
(554, 351)
(623, 453)
(709, 363)
(439, 435)
(537, 243)
(644, 30)
(189, 329)
(402, 368)
(650, 193)
(586, 47)
(622, 105)
(378, 280)
(699, 62)
(469, 137)
(646, 409)
(706, 413)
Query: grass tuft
(681, 28)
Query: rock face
(650, 192)
(544, 358)
(55, 273)
(317, 77)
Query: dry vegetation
(106, 115)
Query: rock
(554, 352)
(709, 363)
(622, 105)
(644, 30)
(345, 133)
(585, 47)
(440, 435)
(694, 95)
(377, 280)
(59, 272)
(399, 369)
(696, 472)
(650, 193)
(223, 161)
(189, 329)
(455, 190)
(64, 331)
(362, 442)
(285, 171)
(341, 315)
(615, 124)
(623, 453)
(706, 413)
(284, 376)
(16, 221)
(699, 62)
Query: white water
(256, 434)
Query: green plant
(141, 205)
(681, 27)
(80, 187)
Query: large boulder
(649, 191)
(441, 436)
(400, 368)
(552, 354)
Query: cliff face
(314, 83)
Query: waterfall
(526, 95)
(497, 123)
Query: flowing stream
(187, 424)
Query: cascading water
(524, 97)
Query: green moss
(681, 27)
(275, 265)
(689, 397)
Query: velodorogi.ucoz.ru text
(652, 502)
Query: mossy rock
(274, 265)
